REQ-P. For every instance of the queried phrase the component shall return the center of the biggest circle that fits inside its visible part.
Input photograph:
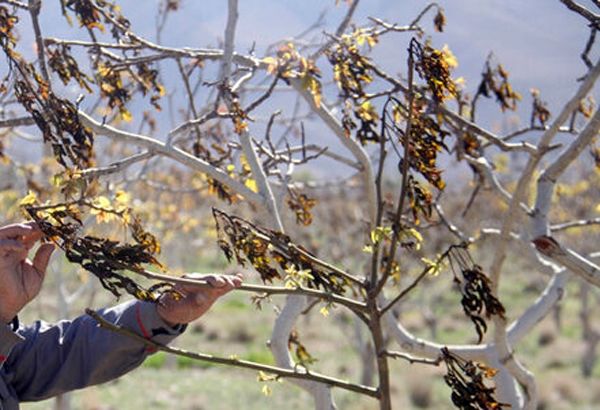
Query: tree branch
(173, 153)
(232, 16)
(117, 166)
(593, 18)
(299, 372)
(34, 11)
(338, 33)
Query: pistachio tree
(98, 102)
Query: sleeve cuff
(151, 326)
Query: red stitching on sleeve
(2, 358)
(138, 318)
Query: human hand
(196, 300)
(20, 278)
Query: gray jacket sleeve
(47, 360)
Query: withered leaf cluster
(112, 87)
(302, 355)
(62, 63)
(439, 21)
(289, 63)
(470, 144)
(104, 258)
(148, 82)
(271, 253)
(222, 191)
(8, 38)
(586, 107)
(301, 205)
(238, 116)
(352, 72)
(478, 300)
(434, 67)
(426, 141)
(90, 14)
(420, 200)
(57, 118)
(539, 111)
(494, 81)
(467, 381)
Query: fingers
(218, 286)
(16, 230)
(28, 233)
(42, 258)
(217, 281)
(237, 279)
(196, 299)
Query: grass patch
(259, 356)
(188, 363)
(155, 361)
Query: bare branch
(232, 16)
(585, 55)
(16, 122)
(338, 33)
(358, 152)
(412, 359)
(593, 18)
(34, 11)
(16, 3)
(268, 290)
(117, 166)
(171, 152)
(574, 224)
(298, 373)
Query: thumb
(42, 257)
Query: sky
(537, 41)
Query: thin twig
(338, 33)
(593, 18)
(298, 373)
(263, 97)
(404, 185)
(34, 11)
(270, 290)
(232, 16)
(16, 3)
(117, 166)
(16, 122)
(585, 55)
(412, 359)
(575, 224)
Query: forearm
(75, 354)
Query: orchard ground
(236, 327)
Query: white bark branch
(278, 344)
(174, 153)
(359, 153)
(547, 180)
(232, 16)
